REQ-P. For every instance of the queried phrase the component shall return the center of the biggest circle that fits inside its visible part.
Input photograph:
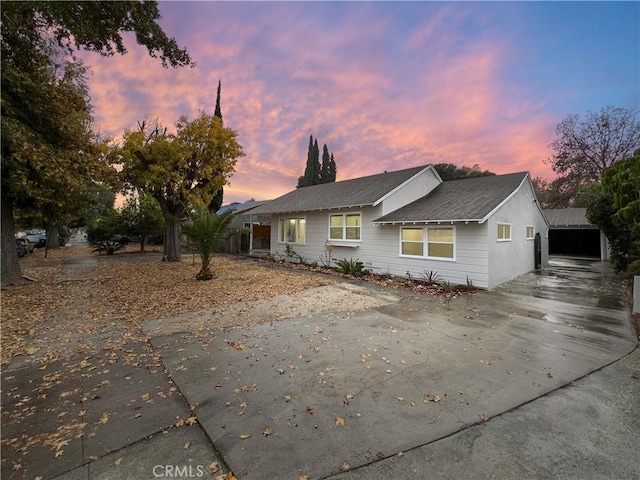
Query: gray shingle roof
(469, 199)
(347, 193)
(566, 217)
(241, 207)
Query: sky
(385, 85)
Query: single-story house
(481, 230)
(570, 233)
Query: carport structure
(571, 234)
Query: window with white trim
(504, 232)
(412, 242)
(429, 242)
(531, 233)
(292, 230)
(345, 226)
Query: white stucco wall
(508, 259)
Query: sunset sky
(386, 85)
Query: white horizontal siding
(380, 249)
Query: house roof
(241, 207)
(356, 192)
(468, 199)
(567, 217)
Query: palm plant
(206, 233)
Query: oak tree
(48, 148)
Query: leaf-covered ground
(77, 294)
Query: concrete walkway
(491, 385)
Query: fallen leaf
(483, 417)
(549, 375)
(191, 420)
(431, 398)
(16, 466)
(244, 436)
(214, 467)
(287, 398)
(59, 453)
(487, 362)
(104, 418)
(309, 410)
(118, 461)
(340, 421)
(187, 445)
(345, 467)
(267, 431)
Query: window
(344, 227)
(439, 242)
(504, 232)
(292, 230)
(531, 233)
(412, 242)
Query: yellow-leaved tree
(180, 170)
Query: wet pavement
(486, 385)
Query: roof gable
(468, 199)
(356, 192)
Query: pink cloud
(445, 102)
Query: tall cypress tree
(324, 172)
(216, 201)
(312, 170)
(332, 170)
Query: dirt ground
(77, 293)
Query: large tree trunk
(172, 239)
(52, 237)
(11, 273)
(172, 229)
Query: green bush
(350, 267)
(633, 270)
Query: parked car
(21, 249)
(27, 244)
(38, 240)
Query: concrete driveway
(326, 387)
